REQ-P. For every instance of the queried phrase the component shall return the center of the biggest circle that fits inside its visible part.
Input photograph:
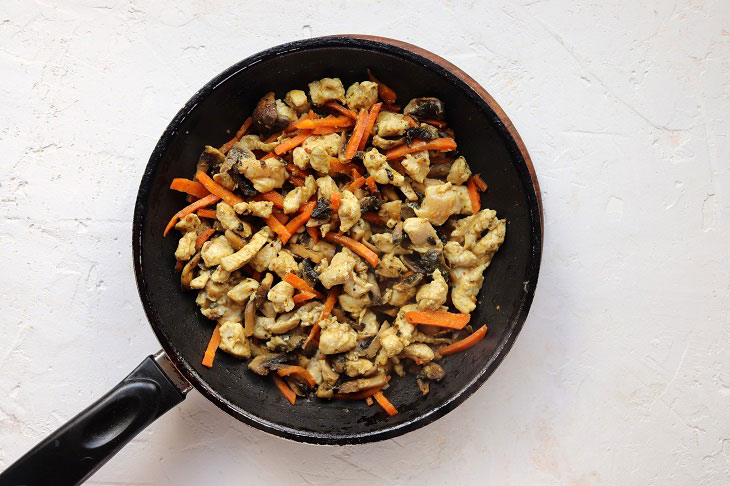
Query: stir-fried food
(336, 240)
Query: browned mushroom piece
(263, 289)
(433, 371)
(249, 316)
(265, 363)
(266, 117)
(428, 107)
(186, 276)
(362, 384)
(423, 386)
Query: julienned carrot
(369, 123)
(465, 343)
(441, 144)
(383, 402)
(328, 121)
(268, 156)
(335, 200)
(206, 213)
(203, 237)
(358, 182)
(278, 228)
(436, 123)
(293, 142)
(179, 266)
(471, 188)
(313, 232)
(341, 109)
(300, 219)
(481, 185)
(273, 137)
(200, 203)
(438, 318)
(215, 340)
(298, 371)
(372, 218)
(354, 245)
(307, 116)
(338, 167)
(357, 134)
(240, 133)
(284, 389)
(296, 181)
(386, 94)
(361, 395)
(294, 170)
(326, 130)
(217, 189)
(410, 121)
(303, 297)
(329, 304)
(279, 214)
(272, 196)
(189, 187)
(372, 185)
(299, 283)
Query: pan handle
(81, 446)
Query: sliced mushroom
(433, 372)
(428, 107)
(265, 116)
(264, 363)
(421, 133)
(363, 384)
(249, 316)
(186, 276)
(263, 290)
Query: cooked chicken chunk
(310, 313)
(384, 243)
(397, 297)
(215, 250)
(326, 89)
(245, 254)
(353, 305)
(186, 246)
(266, 175)
(432, 296)
(359, 367)
(297, 99)
(440, 203)
(390, 124)
(229, 220)
(339, 269)
(190, 222)
(378, 167)
(283, 323)
(349, 211)
(254, 142)
(281, 296)
(299, 195)
(417, 165)
(261, 209)
(418, 352)
(422, 235)
(283, 263)
(336, 337)
(263, 258)
(361, 95)
(390, 266)
(459, 172)
(357, 285)
(332, 143)
(326, 187)
(243, 290)
(233, 341)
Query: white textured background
(622, 372)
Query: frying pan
(494, 150)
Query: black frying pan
(491, 145)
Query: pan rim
(520, 159)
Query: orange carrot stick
(313, 233)
(309, 115)
(354, 245)
(383, 402)
(369, 123)
(357, 134)
(358, 182)
(268, 156)
(300, 219)
(438, 318)
(189, 187)
(284, 389)
(239, 134)
(217, 189)
(372, 218)
(329, 304)
(481, 185)
(273, 137)
(326, 130)
(293, 142)
(372, 185)
(279, 214)
(471, 188)
(410, 121)
(272, 196)
(303, 297)
(328, 121)
(215, 340)
(298, 371)
(294, 170)
(207, 213)
(179, 266)
(203, 237)
(296, 180)
(335, 200)
(441, 144)
(278, 228)
(386, 94)
(341, 109)
(337, 167)
(299, 283)
(465, 343)
(200, 203)
(436, 123)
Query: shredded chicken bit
(432, 247)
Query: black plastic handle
(81, 446)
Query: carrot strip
(303, 297)
(436, 123)
(239, 134)
(203, 237)
(372, 218)
(329, 304)
(341, 109)
(272, 196)
(207, 213)
(326, 130)
(361, 395)
(354, 245)
(296, 180)
(278, 228)
(217, 189)
(328, 121)
(465, 343)
(299, 283)
(294, 170)
(300, 219)
(313, 233)
(298, 371)
(438, 318)
(215, 340)
(200, 203)
(372, 185)
(369, 401)
(179, 266)
(410, 121)
(369, 123)
(386, 94)
(268, 156)
(279, 214)
(189, 187)
(383, 402)
(441, 144)
(273, 137)
(335, 201)
(357, 134)
(481, 185)
(291, 143)
(338, 167)
(471, 188)
(354, 184)
(284, 389)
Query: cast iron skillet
(485, 136)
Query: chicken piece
(280, 296)
(326, 186)
(186, 246)
(299, 195)
(468, 230)
(224, 179)
(458, 256)
(390, 124)
(263, 258)
(387, 143)
(349, 211)
(260, 209)
(283, 263)
(418, 352)
(422, 235)
(190, 222)
(390, 266)
(440, 203)
(332, 143)
(467, 283)
(357, 285)
(390, 345)
(215, 250)
(218, 309)
(254, 142)
(201, 280)
(243, 290)
(297, 99)
(384, 243)
(326, 89)
(407, 190)
(285, 343)
(390, 212)
(233, 341)
(397, 298)
(285, 114)
(339, 270)
(319, 159)
(354, 305)
(378, 167)
(336, 337)
(361, 231)
(245, 254)
(260, 325)
(417, 165)
(459, 172)
(404, 329)
(361, 95)
(220, 275)
(432, 296)
(316, 152)
(283, 323)
(314, 369)
(229, 220)
(359, 367)
(310, 313)
(463, 199)
(266, 175)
